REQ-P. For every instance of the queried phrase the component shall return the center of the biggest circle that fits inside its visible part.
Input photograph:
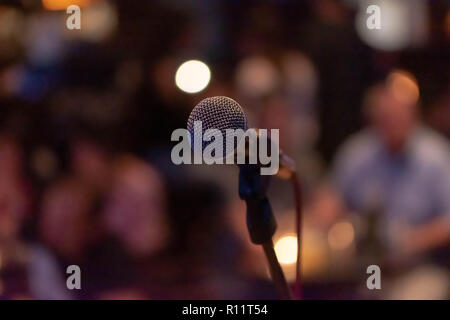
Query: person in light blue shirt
(401, 169)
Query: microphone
(224, 113)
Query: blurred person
(135, 209)
(14, 194)
(64, 223)
(11, 158)
(169, 243)
(134, 217)
(256, 77)
(68, 234)
(13, 250)
(113, 241)
(23, 266)
(399, 171)
(90, 163)
(14, 207)
(27, 270)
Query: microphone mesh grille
(216, 113)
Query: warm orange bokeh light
(63, 4)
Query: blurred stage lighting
(286, 249)
(395, 27)
(341, 235)
(55, 5)
(192, 76)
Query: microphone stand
(260, 221)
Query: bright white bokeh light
(192, 76)
(395, 27)
(286, 249)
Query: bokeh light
(286, 249)
(394, 33)
(192, 76)
(63, 4)
(341, 235)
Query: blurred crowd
(86, 118)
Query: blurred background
(86, 118)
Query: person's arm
(429, 236)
